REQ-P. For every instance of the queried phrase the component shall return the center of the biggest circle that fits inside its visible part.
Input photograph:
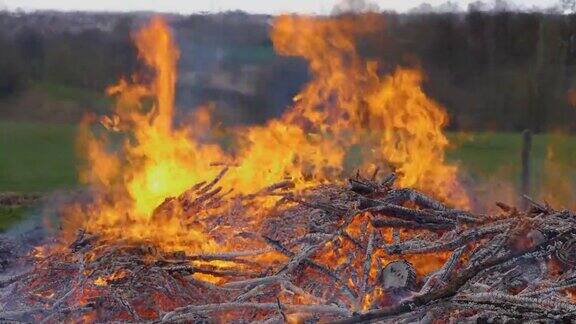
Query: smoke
(42, 220)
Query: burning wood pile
(154, 242)
(356, 252)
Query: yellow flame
(346, 104)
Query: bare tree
(502, 5)
(478, 6)
(355, 6)
(423, 8)
(568, 5)
(448, 6)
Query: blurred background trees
(492, 67)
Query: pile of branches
(355, 252)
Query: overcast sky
(253, 6)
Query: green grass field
(485, 154)
(10, 215)
(36, 157)
(41, 158)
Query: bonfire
(174, 227)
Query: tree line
(503, 71)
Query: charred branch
(318, 260)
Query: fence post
(526, 150)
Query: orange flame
(347, 104)
(104, 280)
(347, 97)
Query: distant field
(36, 157)
(41, 158)
(482, 155)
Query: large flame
(347, 94)
(347, 105)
